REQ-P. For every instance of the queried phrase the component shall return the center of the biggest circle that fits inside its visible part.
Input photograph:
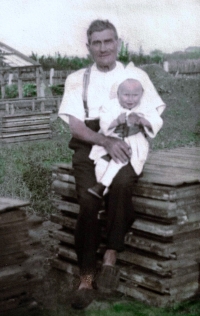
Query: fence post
(20, 90)
(7, 108)
(51, 76)
(33, 105)
(12, 109)
(10, 78)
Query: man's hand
(117, 149)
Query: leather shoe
(82, 298)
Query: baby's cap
(129, 72)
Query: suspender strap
(86, 80)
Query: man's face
(129, 94)
(103, 48)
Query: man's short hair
(99, 26)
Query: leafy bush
(11, 91)
(38, 180)
(57, 89)
(29, 90)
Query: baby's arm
(139, 120)
(121, 119)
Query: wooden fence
(11, 106)
(52, 77)
(183, 67)
(160, 264)
(26, 119)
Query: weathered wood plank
(66, 206)
(63, 236)
(67, 253)
(13, 259)
(13, 228)
(26, 138)
(167, 250)
(7, 204)
(163, 192)
(66, 178)
(25, 123)
(30, 114)
(64, 221)
(65, 189)
(9, 217)
(152, 298)
(65, 266)
(156, 283)
(30, 127)
(164, 230)
(157, 265)
(26, 133)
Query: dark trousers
(120, 213)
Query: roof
(10, 57)
(173, 167)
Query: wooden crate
(25, 127)
(160, 264)
(16, 281)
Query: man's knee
(125, 177)
(89, 205)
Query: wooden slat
(156, 265)
(66, 206)
(26, 138)
(163, 192)
(7, 204)
(29, 115)
(26, 133)
(27, 128)
(64, 189)
(164, 230)
(25, 123)
(65, 266)
(156, 283)
(152, 298)
(64, 221)
(170, 250)
(67, 253)
(63, 236)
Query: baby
(131, 120)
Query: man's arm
(116, 148)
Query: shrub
(38, 181)
(29, 90)
(57, 89)
(11, 91)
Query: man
(84, 94)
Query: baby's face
(129, 93)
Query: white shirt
(98, 91)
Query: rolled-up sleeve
(72, 103)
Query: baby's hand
(133, 119)
(145, 123)
(121, 118)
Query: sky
(49, 26)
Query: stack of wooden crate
(160, 264)
(15, 243)
(25, 126)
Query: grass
(26, 168)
